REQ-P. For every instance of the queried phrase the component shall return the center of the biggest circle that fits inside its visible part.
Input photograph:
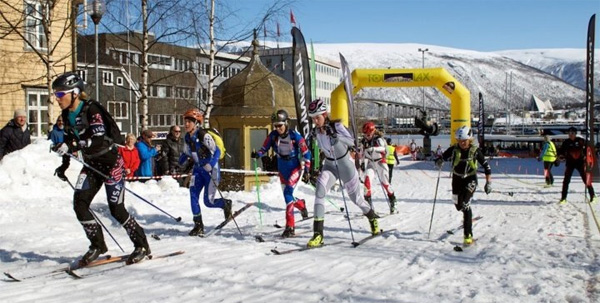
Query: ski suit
(548, 155)
(288, 147)
(464, 179)
(337, 164)
(85, 132)
(574, 153)
(374, 151)
(206, 174)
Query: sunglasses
(176, 131)
(62, 94)
(278, 125)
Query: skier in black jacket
(464, 157)
(15, 135)
(85, 132)
(573, 151)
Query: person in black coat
(572, 151)
(15, 135)
(172, 150)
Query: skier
(391, 157)
(85, 132)
(335, 141)
(548, 154)
(374, 149)
(413, 150)
(465, 156)
(573, 151)
(288, 145)
(202, 149)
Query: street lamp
(423, 50)
(98, 9)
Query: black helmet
(279, 116)
(68, 81)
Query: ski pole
(434, 199)
(178, 219)
(354, 243)
(223, 198)
(258, 191)
(510, 193)
(98, 221)
(329, 200)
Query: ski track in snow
(528, 249)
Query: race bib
(81, 182)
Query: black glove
(439, 162)
(306, 177)
(488, 187)
(254, 155)
(362, 166)
(60, 172)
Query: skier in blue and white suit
(202, 149)
(288, 145)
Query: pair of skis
(72, 270)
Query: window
(37, 110)
(120, 81)
(159, 62)
(34, 28)
(83, 73)
(118, 109)
(107, 78)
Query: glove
(488, 187)
(207, 167)
(254, 155)
(306, 177)
(60, 172)
(362, 166)
(61, 149)
(439, 162)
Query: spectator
(15, 135)
(130, 155)
(391, 157)
(548, 155)
(147, 154)
(413, 150)
(173, 148)
(58, 131)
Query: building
(36, 45)
(177, 78)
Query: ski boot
(372, 216)
(317, 239)
(288, 232)
(138, 254)
(594, 200)
(198, 230)
(468, 240)
(92, 254)
(227, 208)
(392, 204)
(562, 201)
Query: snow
(528, 249)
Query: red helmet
(194, 114)
(368, 128)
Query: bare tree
(44, 27)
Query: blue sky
(482, 25)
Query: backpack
(112, 130)
(218, 141)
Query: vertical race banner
(348, 87)
(302, 84)
(313, 84)
(591, 165)
(481, 124)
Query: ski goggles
(278, 125)
(61, 94)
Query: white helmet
(463, 133)
(316, 107)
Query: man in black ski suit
(86, 133)
(573, 151)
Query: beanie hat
(20, 113)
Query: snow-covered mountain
(507, 79)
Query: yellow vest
(390, 154)
(550, 155)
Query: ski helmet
(280, 116)
(368, 128)
(194, 114)
(316, 107)
(68, 81)
(463, 133)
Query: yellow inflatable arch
(460, 97)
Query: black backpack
(112, 129)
